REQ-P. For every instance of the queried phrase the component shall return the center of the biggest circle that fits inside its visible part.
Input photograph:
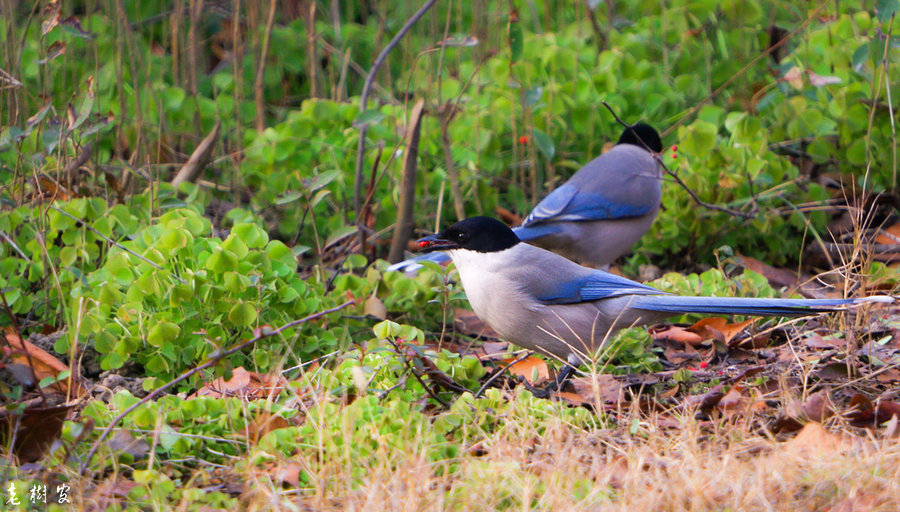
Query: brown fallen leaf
(287, 473)
(706, 401)
(817, 407)
(814, 441)
(263, 424)
(673, 355)
(533, 369)
(47, 188)
(733, 401)
(676, 334)
(865, 413)
(670, 393)
(243, 384)
(124, 442)
(838, 370)
(609, 389)
(28, 362)
(719, 329)
(110, 492)
(892, 428)
(888, 375)
(889, 235)
(35, 430)
(374, 307)
(572, 398)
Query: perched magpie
(602, 210)
(545, 302)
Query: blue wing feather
(594, 286)
(567, 204)
(414, 264)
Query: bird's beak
(435, 243)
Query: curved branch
(364, 99)
(746, 215)
(214, 360)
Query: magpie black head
(642, 132)
(480, 234)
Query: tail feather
(413, 265)
(745, 306)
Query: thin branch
(494, 377)
(746, 215)
(113, 242)
(186, 375)
(12, 244)
(418, 377)
(407, 184)
(82, 158)
(364, 99)
(258, 85)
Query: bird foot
(562, 378)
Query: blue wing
(593, 286)
(413, 265)
(528, 233)
(567, 203)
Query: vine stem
(186, 375)
(364, 100)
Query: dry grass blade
(8, 80)
(199, 159)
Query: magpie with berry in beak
(542, 301)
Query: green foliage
(158, 279)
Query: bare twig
(598, 32)
(404, 223)
(113, 242)
(364, 99)
(81, 159)
(496, 375)
(12, 244)
(311, 58)
(746, 215)
(260, 71)
(347, 62)
(418, 377)
(186, 375)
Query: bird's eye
(461, 237)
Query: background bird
(602, 210)
(542, 301)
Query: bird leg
(562, 378)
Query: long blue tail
(742, 306)
(412, 265)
